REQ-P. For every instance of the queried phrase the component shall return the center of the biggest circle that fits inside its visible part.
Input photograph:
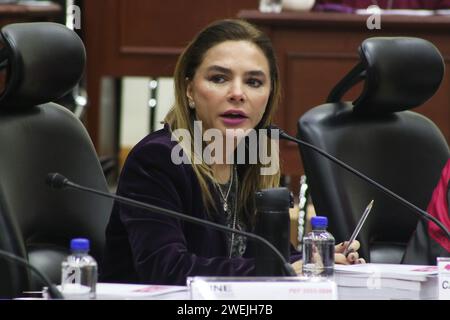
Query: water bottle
(79, 272)
(318, 250)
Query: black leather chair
(375, 134)
(44, 62)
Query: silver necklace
(389, 4)
(235, 222)
(225, 197)
(235, 217)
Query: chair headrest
(400, 73)
(45, 61)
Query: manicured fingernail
(350, 251)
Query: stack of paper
(116, 291)
(386, 281)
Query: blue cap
(319, 222)
(79, 244)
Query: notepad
(386, 281)
(119, 291)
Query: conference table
(350, 282)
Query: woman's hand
(298, 267)
(352, 257)
(339, 258)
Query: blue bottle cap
(79, 244)
(319, 222)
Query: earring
(191, 104)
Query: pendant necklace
(225, 197)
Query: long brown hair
(180, 116)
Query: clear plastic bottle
(318, 250)
(79, 272)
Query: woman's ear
(190, 95)
(189, 90)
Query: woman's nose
(236, 93)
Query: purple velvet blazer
(145, 247)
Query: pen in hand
(358, 227)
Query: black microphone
(406, 203)
(53, 292)
(58, 181)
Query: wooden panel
(301, 71)
(160, 26)
(323, 71)
(141, 38)
(149, 35)
(315, 50)
(14, 13)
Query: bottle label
(72, 286)
(72, 275)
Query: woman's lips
(233, 117)
(233, 121)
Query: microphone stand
(386, 191)
(56, 180)
(52, 290)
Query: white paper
(394, 271)
(386, 281)
(137, 291)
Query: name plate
(444, 278)
(261, 288)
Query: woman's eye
(217, 79)
(256, 83)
